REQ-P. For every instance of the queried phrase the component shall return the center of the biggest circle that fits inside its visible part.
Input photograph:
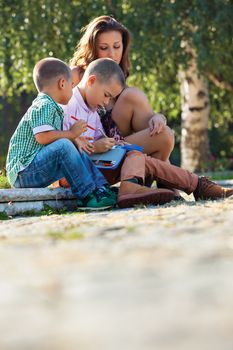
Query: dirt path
(155, 278)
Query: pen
(89, 126)
(102, 132)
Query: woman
(130, 116)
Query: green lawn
(219, 175)
(3, 182)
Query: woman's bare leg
(157, 146)
(131, 113)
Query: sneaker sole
(94, 209)
(129, 200)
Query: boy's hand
(157, 123)
(122, 143)
(78, 128)
(83, 144)
(103, 145)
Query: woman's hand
(103, 145)
(156, 123)
(83, 144)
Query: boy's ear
(61, 83)
(91, 80)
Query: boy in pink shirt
(79, 109)
(84, 104)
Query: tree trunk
(195, 113)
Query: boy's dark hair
(105, 69)
(48, 69)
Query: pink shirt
(78, 108)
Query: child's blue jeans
(61, 159)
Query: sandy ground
(147, 278)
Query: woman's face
(109, 45)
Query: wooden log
(34, 194)
(17, 208)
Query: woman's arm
(132, 112)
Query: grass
(4, 216)
(65, 236)
(3, 182)
(220, 175)
(47, 211)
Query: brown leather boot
(207, 189)
(131, 194)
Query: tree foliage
(31, 30)
(163, 32)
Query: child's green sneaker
(110, 191)
(113, 191)
(97, 200)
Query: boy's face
(66, 91)
(99, 94)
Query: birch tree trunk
(195, 113)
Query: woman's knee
(169, 138)
(166, 144)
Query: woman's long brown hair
(85, 51)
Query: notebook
(113, 158)
(110, 159)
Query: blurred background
(181, 57)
